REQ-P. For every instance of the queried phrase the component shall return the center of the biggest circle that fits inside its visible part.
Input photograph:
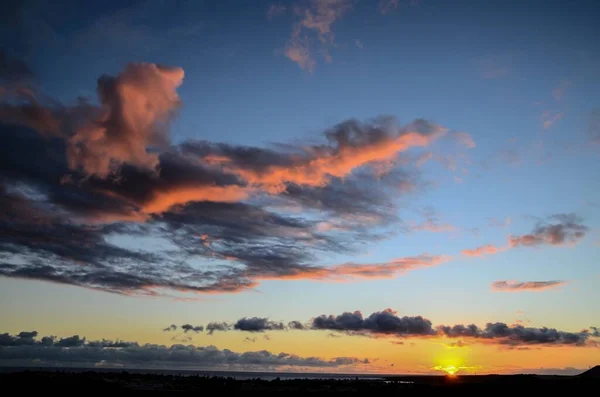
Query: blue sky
(520, 79)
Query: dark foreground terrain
(155, 384)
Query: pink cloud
(432, 225)
(134, 102)
(516, 286)
(484, 250)
(314, 22)
(465, 139)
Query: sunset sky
(390, 186)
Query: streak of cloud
(516, 286)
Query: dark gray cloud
(23, 338)
(514, 335)
(170, 328)
(558, 229)
(109, 343)
(217, 326)
(106, 352)
(192, 328)
(385, 322)
(257, 324)
(71, 341)
(296, 325)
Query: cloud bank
(80, 178)
(25, 349)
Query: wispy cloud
(464, 139)
(549, 118)
(312, 32)
(560, 229)
(517, 286)
(387, 6)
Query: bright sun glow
(451, 365)
(450, 370)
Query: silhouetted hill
(592, 372)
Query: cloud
(313, 28)
(432, 222)
(514, 286)
(549, 118)
(23, 338)
(558, 230)
(561, 88)
(218, 213)
(385, 322)
(296, 325)
(170, 328)
(256, 324)
(352, 144)
(388, 324)
(385, 7)
(192, 328)
(515, 335)
(132, 354)
(464, 139)
(212, 327)
(484, 250)
(275, 10)
(138, 103)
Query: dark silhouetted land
(165, 384)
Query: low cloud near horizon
(387, 323)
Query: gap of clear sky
(252, 163)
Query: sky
(357, 186)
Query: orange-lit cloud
(484, 250)
(353, 149)
(313, 29)
(135, 106)
(162, 201)
(516, 286)
(355, 271)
